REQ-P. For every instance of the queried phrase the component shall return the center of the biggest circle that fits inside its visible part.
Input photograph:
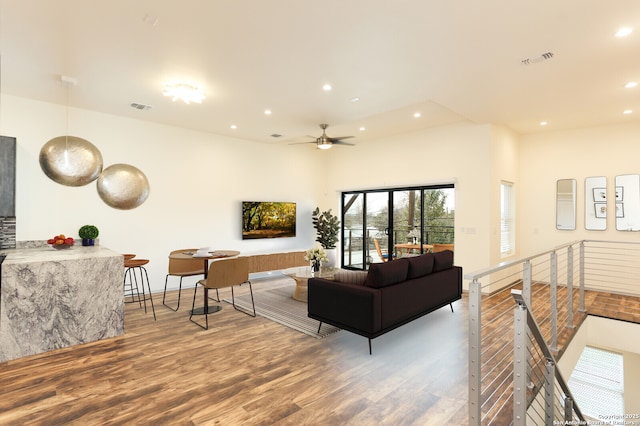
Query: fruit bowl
(61, 246)
(60, 242)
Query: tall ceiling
(450, 60)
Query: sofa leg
(319, 325)
(451, 304)
(369, 346)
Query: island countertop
(51, 299)
(48, 253)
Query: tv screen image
(261, 219)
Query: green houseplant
(327, 227)
(88, 233)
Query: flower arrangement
(414, 234)
(316, 256)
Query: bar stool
(132, 265)
(130, 291)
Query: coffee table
(301, 277)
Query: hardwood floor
(245, 371)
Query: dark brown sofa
(392, 294)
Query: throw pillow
(350, 277)
(420, 265)
(385, 274)
(442, 260)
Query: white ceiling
(451, 60)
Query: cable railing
(552, 286)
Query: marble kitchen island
(51, 299)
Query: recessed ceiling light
(631, 84)
(627, 111)
(623, 32)
(267, 112)
(326, 87)
(185, 92)
(417, 115)
(543, 123)
(233, 126)
(356, 99)
(362, 129)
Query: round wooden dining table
(212, 255)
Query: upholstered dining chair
(182, 268)
(224, 273)
(441, 247)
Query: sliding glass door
(383, 225)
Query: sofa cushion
(420, 265)
(442, 260)
(385, 274)
(350, 277)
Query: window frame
(507, 219)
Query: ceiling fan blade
(343, 143)
(300, 143)
(337, 138)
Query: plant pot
(332, 256)
(88, 241)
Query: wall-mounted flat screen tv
(261, 219)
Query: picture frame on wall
(601, 210)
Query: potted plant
(88, 233)
(327, 227)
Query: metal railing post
(520, 364)
(553, 307)
(570, 287)
(582, 278)
(475, 362)
(526, 282)
(568, 409)
(549, 387)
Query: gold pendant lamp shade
(71, 161)
(123, 186)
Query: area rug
(276, 304)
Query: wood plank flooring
(244, 371)
(252, 371)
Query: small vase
(88, 241)
(315, 266)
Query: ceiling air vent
(276, 135)
(537, 59)
(140, 106)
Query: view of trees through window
(384, 224)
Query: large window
(597, 384)
(507, 219)
(382, 225)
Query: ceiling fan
(326, 142)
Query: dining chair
(383, 254)
(182, 268)
(224, 273)
(441, 247)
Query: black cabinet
(7, 192)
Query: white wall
(197, 181)
(458, 153)
(577, 154)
